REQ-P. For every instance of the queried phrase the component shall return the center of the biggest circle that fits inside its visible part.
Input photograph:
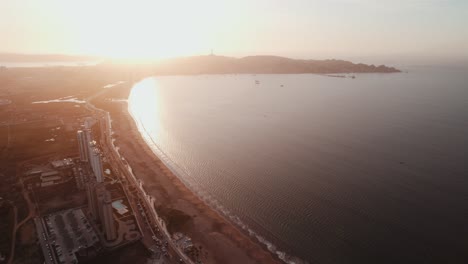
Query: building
(106, 216)
(90, 143)
(50, 178)
(83, 145)
(63, 163)
(84, 138)
(92, 200)
(100, 206)
(96, 164)
(49, 174)
(34, 172)
(120, 207)
(108, 221)
(79, 178)
(106, 129)
(88, 149)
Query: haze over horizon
(297, 29)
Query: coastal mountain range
(211, 64)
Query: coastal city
(112, 208)
(79, 183)
(233, 132)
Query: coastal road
(137, 202)
(115, 160)
(131, 181)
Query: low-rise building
(63, 163)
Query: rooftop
(62, 163)
(120, 207)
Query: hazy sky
(297, 28)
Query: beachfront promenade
(133, 187)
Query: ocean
(329, 170)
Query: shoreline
(222, 240)
(209, 200)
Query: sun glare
(141, 29)
(144, 102)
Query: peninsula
(213, 64)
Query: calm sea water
(331, 170)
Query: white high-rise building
(84, 138)
(89, 141)
(107, 219)
(92, 200)
(96, 164)
(82, 145)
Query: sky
(293, 28)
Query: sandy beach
(220, 240)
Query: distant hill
(18, 57)
(211, 64)
(262, 64)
